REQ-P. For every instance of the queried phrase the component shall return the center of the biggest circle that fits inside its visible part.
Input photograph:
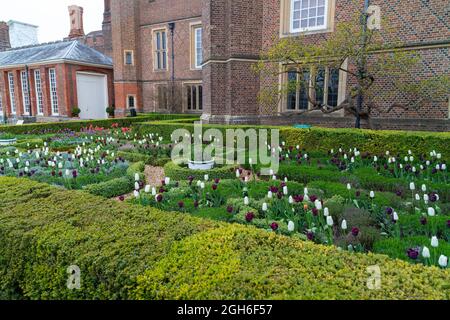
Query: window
(131, 101)
(194, 97)
(38, 89)
(53, 92)
(129, 57)
(160, 50)
(308, 15)
(162, 96)
(12, 96)
(25, 92)
(198, 53)
(321, 83)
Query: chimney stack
(4, 36)
(76, 22)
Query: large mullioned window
(25, 92)
(308, 15)
(38, 89)
(160, 50)
(12, 97)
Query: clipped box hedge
(325, 139)
(178, 173)
(77, 125)
(133, 252)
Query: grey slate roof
(70, 51)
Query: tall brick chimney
(76, 22)
(106, 28)
(4, 36)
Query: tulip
(147, 189)
(426, 198)
(153, 191)
(306, 191)
(355, 231)
(202, 185)
(372, 194)
(274, 226)
(330, 221)
(412, 186)
(249, 217)
(246, 201)
(238, 174)
(206, 177)
(318, 204)
(285, 190)
(443, 261)
(434, 242)
(136, 177)
(136, 194)
(349, 186)
(431, 212)
(270, 195)
(413, 253)
(264, 207)
(167, 181)
(395, 216)
(291, 226)
(417, 197)
(136, 186)
(344, 225)
(291, 200)
(326, 212)
(426, 253)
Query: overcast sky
(52, 16)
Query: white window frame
(12, 91)
(128, 100)
(53, 91)
(195, 104)
(160, 50)
(25, 93)
(38, 90)
(303, 29)
(126, 52)
(198, 47)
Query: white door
(92, 95)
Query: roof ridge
(72, 46)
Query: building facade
(48, 82)
(196, 56)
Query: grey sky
(52, 16)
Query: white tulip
(291, 200)
(411, 158)
(136, 177)
(326, 212)
(426, 253)
(246, 201)
(153, 191)
(167, 181)
(439, 156)
(372, 194)
(417, 197)
(349, 186)
(206, 177)
(443, 167)
(387, 153)
(285, 190)
(395, 216)
(443, 261)
(274, 177)
(318, 205)
(67, 172)
(431, 212)
(426, 198)
(147, 189)
(136, 186)
(136, 194)
(264, 207)
(202, 185)
(434, 242)
(270, 195)
(199, 183)
(305, 192)
(375, 158)
(330, 221)
(291, 226)
(344, 225)
(409, 152)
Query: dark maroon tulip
(53, 173)
(432, 196)
(230, 209)
(315, 212)
(122, 198)
(214, 187)
(274, 226)
(159, 198)
(313, 198)
(60, 174)
(181, 204)
(389, 211)
(358, 194)
(74, 173)
(310, 236)
(355, 231)
(423, 221)
(413, 253)
(217, 181)
(249, 216)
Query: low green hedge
(325, 139)
(78, 125)
(178, 173)
(112, 188)
(134, 157)
(128, 252)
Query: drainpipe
(172, 79)
(362, 63)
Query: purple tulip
(214, 187)
(230, 209)
(413, 253)
(389, 211)
(310, 236)
(249, 216)
(274, 226)
(423, 221)
(355, 231)
(159, 198)
(315, 212)
(181, 204)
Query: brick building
(203, 51)
(48, 81)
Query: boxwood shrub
(132, 252)
(112, 188)
(178, 173)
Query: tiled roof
(70, 51)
